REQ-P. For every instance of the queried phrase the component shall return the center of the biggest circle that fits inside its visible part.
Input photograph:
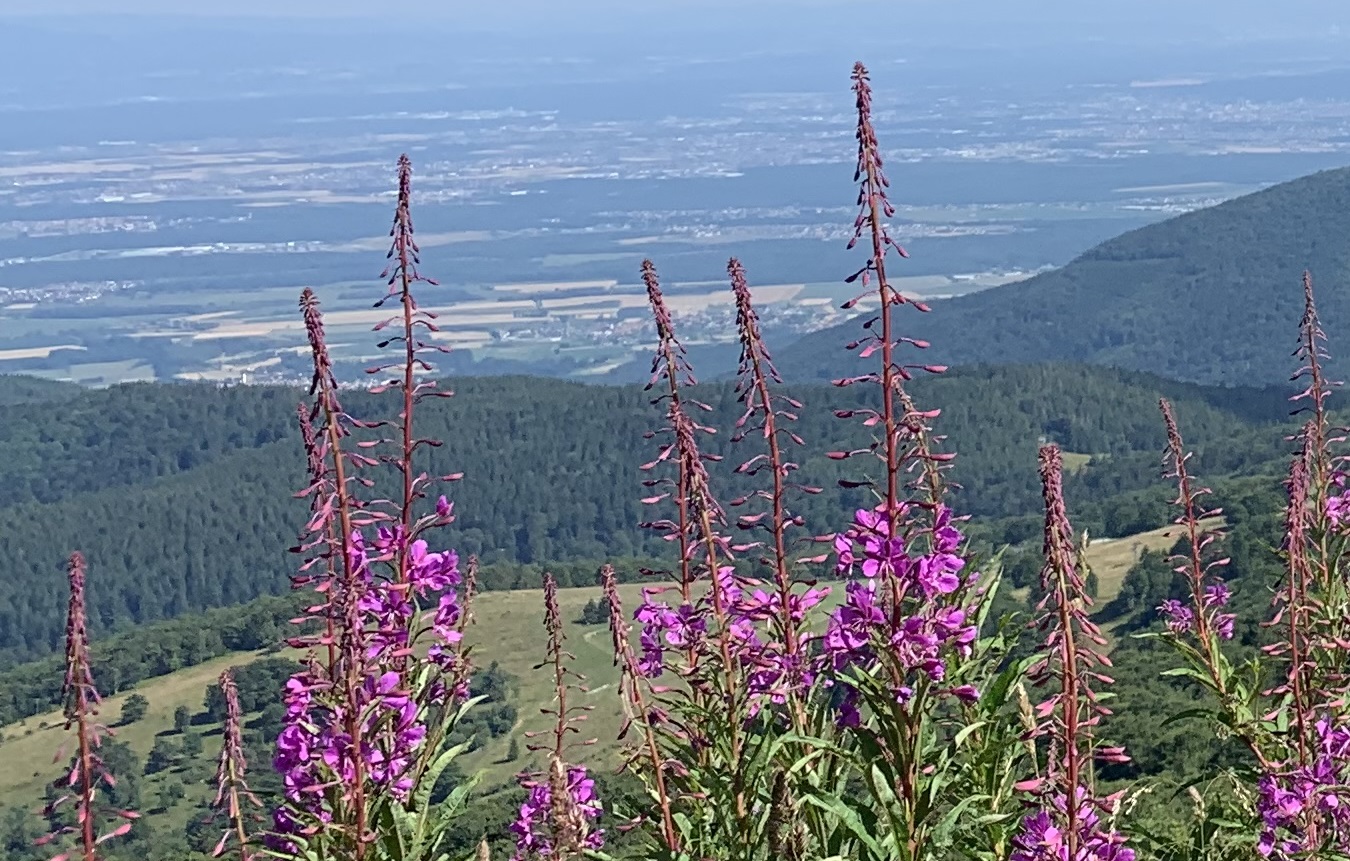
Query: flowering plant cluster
(887, 715)
(369, 715)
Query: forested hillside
(181, 496)
(1207, 296)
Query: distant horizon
(1147, 21)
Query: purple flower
(848, 636)
(1042, 836)
(1038, 839)
(1308, 805)
(1178, 616)
(928, 627)
(663, 627)
(1217, 594)
(535, 829)
(313, 750)
(1223, 625)
(966, 693)
(1338, 503)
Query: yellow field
(36, 352)
(471, 320)
(550, 286)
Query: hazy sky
(449, 10)
(638, 26)
(1162, 15)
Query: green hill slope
(1211, 296)
(181, 496)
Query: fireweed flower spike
(1204, 616)
(363, 729)
(662, 625)
(1067, 823)
(888, 542)
(231, 787)
(1295, 605)
(325, 542)
(898, 420)
(688, 488)
(414, 325)
(1304, 798)
(636, 697)
(1197, 627)
(899, 654)
(555, 820)
(323, 733)
(909, 607)
(81, 712)
(716, 628)
(781, 672)
(1311, 353)
(704, 553)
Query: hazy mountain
(1213, 296)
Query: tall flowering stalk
(1209, 594)
(887, 539)
(904, 439)
(901, 656)
(738, 647)
(1299, 737)
(644, 756)
(414, 325)
(1198, 627)
(1304, 792)
(1068, 821)
(368, 716)
(704, 554)
(231, 786)
(710, 624)
(555, 820)
(782, 670)
(310, 742)
(1311, 353)
(1295, 601)
(87, 770)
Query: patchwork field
(233, 334)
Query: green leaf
(851, 821)
(1188, 714)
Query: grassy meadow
(508, 629)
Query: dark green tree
(192, 745)
(163, 755)
(133, 709)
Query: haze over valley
(159, 220)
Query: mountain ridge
(1211, 296)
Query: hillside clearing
(1112, 558)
